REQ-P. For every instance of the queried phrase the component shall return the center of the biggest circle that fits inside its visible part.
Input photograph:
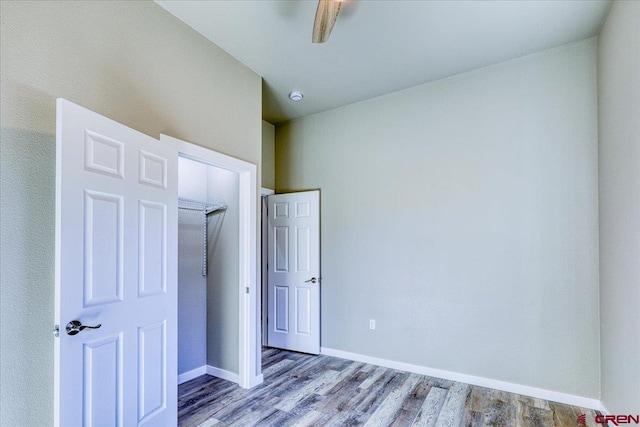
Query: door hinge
(247, 289)
(56, 331)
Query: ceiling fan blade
(326, 16)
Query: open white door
(294, 271)
(116, 252)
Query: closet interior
(208, 297)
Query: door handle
(312, 280)
(75, 326)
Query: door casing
(264, 192)
(250, 367)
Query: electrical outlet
(372, 324)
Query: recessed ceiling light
(296, 96)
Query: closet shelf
(205, 208)
(197, 205)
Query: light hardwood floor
(304, 390)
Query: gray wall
(134, 63)
(619, 178)
(462, 215)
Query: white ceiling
(378, 46)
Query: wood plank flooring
(304, 390)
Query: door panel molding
(102, 251)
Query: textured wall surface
(462, 215)
(132, 62)
(619, 157)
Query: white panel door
(116, 267)
(294, 271)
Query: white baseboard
(225, 375)
(604, 409)
(554, 396)
(189, 375)
(210, 370)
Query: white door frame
(263, 261)
(249, 374)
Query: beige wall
(462, 215)
(268, 155)
(132, 62)
(619, 178)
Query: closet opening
(217, 315)
(208, 269)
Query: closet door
(116, 251)
(294, 271)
